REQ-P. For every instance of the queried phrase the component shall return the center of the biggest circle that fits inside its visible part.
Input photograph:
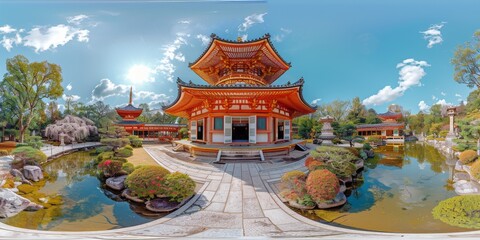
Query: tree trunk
(21, 128)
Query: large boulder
(33, 173)
(116, 183)
(17, 173)
(11, 203)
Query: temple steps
(240, 155)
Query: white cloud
(150, 95)
(7, 42)
(458, 95)
(77, 20)
(43, 39)
(283, 33)
(443, 102)
(423, 106)
(315, 102)
(434, 97)
(7, 29)
(443, 94)
(244, 37)
(106, 88)
(205, 39)
(411, 72)
(170, 53)
(69, 87)
(433, 34)
(184, 22)
(250, 20)
(72, 98)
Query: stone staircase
(225, 156)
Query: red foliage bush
(110, 167)
(314, 165)
(322, 185)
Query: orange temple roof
(255, 61)
(192, 95)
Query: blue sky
(381, 51)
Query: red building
(146, 131)
(240, 104)
(390, 129)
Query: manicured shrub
(110, 167)
(104, 155)
(306, 200)
(353, 151)
(341, 168)
(309, 160)
(363, 155)
(34, 141)
(3, 153)
(115, 142)
(336, 141)
(123, 152)
(322, 185)
(147, 181)
(467, 156)
(135, 141)
(102, 149)
(178, 186)
(28, 155)
(460, 211)
(129, 147)
(315, 165)
(367, 146)
(128, 167)
(475, 170)
(291, 179)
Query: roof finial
(130, 101)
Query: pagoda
(390, 130)
(146, 131)
(239, 104)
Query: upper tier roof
(253, 62)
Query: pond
(87, 205)
(401, 186)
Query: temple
(239, 105)
(389, 130)
(146, 131)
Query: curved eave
(185, 98)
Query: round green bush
(322, 185)
(147, 181)
(28, 154)
(123, 152)
(104, 155)
(102, 149)
(475, 170)
(460, 211)
(129, 147)
(294, 180)
(467, 156)
(135, 141)
(128, 167)
(178, 186)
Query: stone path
(236, 200)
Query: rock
(464, 187)
(25, 188)
(16, 173)
(33, 207)
(116, 183)
(163, 205)
(128, 195)
(11, 203)
(370, 153)
(32, 173)
(43, 200)
(461, 176)
(339, 200)
(57, 200)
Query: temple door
(227, 129)
(193, 130)
(286, 132)
(252, 129)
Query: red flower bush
(147, 181)
(322, 185)
(110, 167)
(309, 160)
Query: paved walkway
(236, 200)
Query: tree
(306, 126)
(26, 84)
(146, 116)
(470, 127)
(466, 62)
(337, 109)
(473, 101)
(52, 111)
(372, 117)
(358, 112)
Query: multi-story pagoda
(390, 129)
(129, 115)
(240, 104)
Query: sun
(139, 73)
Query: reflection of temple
(389, 130)
(129, 115)
(240, 105)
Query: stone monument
(327, 130)
(451, 111)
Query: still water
(87, 205)
(401, 187)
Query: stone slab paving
(235, 201)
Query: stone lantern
(327, 130)
(451, 112)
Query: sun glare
(140, 74)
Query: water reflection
(87, 205)
(401, 186)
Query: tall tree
(26, 84)
(358, 112)
(52, 111)
(337, 109)
(466, 62)
(146, 115)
